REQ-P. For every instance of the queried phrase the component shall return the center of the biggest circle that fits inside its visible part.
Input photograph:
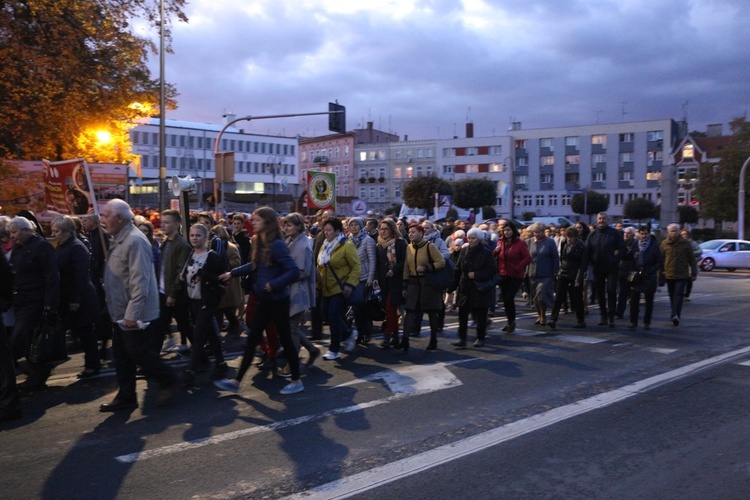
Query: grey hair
(673, 225)
(18, 223)
(629, 229)
(65, 223)
(537, 226)
(475, 231)
(121, 208)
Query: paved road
(601, 413)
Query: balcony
(320, 159)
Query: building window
(546, 143)
(688, 152)
(626, 176)
(420, 153)
(398, 154)
(429, 169)
(449, 152)
(381, 154)
(599, 177)
(571, 141)
(472, 169)
(527, 200)
(565, 200)
(654, 156)
(449, 169)
(598, 159)
(655, 135)
(418, 171)
(495, 167)
(472, 151)
(572, 178)
(572, 160)
(540, 200)
(382, 192)
(626, 137)
(626, 159)
(522, 161)
(520, 143)
(362, 192)
(496, 150)
(600, 139)
(372, 155)
(545, 178)
(522, 179)
(546, 160)
(553, 200)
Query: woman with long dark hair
(276, 271)
(390, 256)
(512, 256)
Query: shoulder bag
(439, 279)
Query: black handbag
(373, 304)
(483, 286)
(357, 297)
(439, 279)
(48, 341)
(635, 277)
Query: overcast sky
(422, 67)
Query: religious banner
(67, 186)
(321, 190)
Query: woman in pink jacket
(512, 256)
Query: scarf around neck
(358, 238)
(329, 247)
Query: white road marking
(408, 381)
(373, 478)
(413, 379)
(661, 350)
(580, 339)
(744, 363)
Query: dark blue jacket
(648, 263)
(281, 273)
(604, 249)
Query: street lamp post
(272, 163)
(511, 185)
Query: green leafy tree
(489, 212)
(688, 214)
(420, 192)
(473, 193)
(68, 66)
(528, 215)
(452, 213)
(639, 209)
(717, 187)
(589, 204)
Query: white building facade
(264, 165)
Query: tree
(20, 190)
(420, 192)
(591, 203)
(717, 187)
(489, 212)
(68, 66)
(639, 209)
(473, 193)
(688, 214)
(528, 215)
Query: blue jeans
(334, 309)
(676, 290)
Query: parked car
(725, 254)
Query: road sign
(359, 207)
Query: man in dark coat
(605, 248)
(36, 289)
(10, 403)
(100, 241)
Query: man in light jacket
(133, 304)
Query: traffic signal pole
(333, 109)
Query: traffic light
(336, 117)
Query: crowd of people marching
(135, 283)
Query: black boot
(433, 341)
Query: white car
(727, 254)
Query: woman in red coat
(512, 256)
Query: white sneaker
(227, 384)
(293, 387)
(351, 342)
(168, 344)
(330, 355)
